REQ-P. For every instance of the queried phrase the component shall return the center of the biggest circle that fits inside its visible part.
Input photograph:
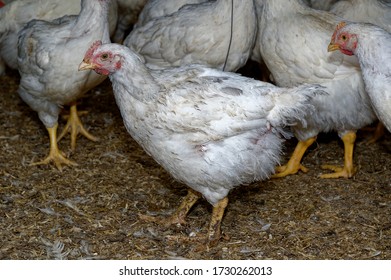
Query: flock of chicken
(173, 80)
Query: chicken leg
(180, 214)
(348, 170)
(55, 154)
(179, 217)
(215, 222)
(75, 127)
(293, 165)
(380, 130)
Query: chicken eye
(104, 56)
(343, 37)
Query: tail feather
(293, 105)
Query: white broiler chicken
(377, 12)
(199, 34)
(128, 12)
(158, 8)
(209, 129)
(293, 41)
(372, 46)
(48, 58)
(14, 16)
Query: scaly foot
(55, 155)
(289, 169)
(348, 170)
(75, 126)
(293, 166)
(339, 172)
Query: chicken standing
(209, 129)
(198, 34)
(377, 12)
(16, 14)
(292, 40)
(48, 57)
(372, 46)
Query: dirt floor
(91, 211)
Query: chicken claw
(339, 172)
(55, 154)
(293, 166)
(348, 170)
(75, 126)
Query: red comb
(2, 4)
(338, 27)
(91, 50)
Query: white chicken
(209, 129)
(14, 15)
(199, 34)
(48, 56)
(372, 46)
(292, 41)
(377, 12)
(128, 12)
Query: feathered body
(377, 12)
(16, 14)
(48, 56)
(157, 8)
(198, 34)
(209, 129)
(372, 46)
(293, 41)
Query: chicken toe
(75, 126)
(293, 166)
(55, 155)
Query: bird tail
(294, 106)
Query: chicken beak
(332, 47)
(86, 65)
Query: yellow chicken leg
(180, 214)
(380, 130)
(55, 154)
(293, 165)
(75, 127)
(215, 222)
(348, 170)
